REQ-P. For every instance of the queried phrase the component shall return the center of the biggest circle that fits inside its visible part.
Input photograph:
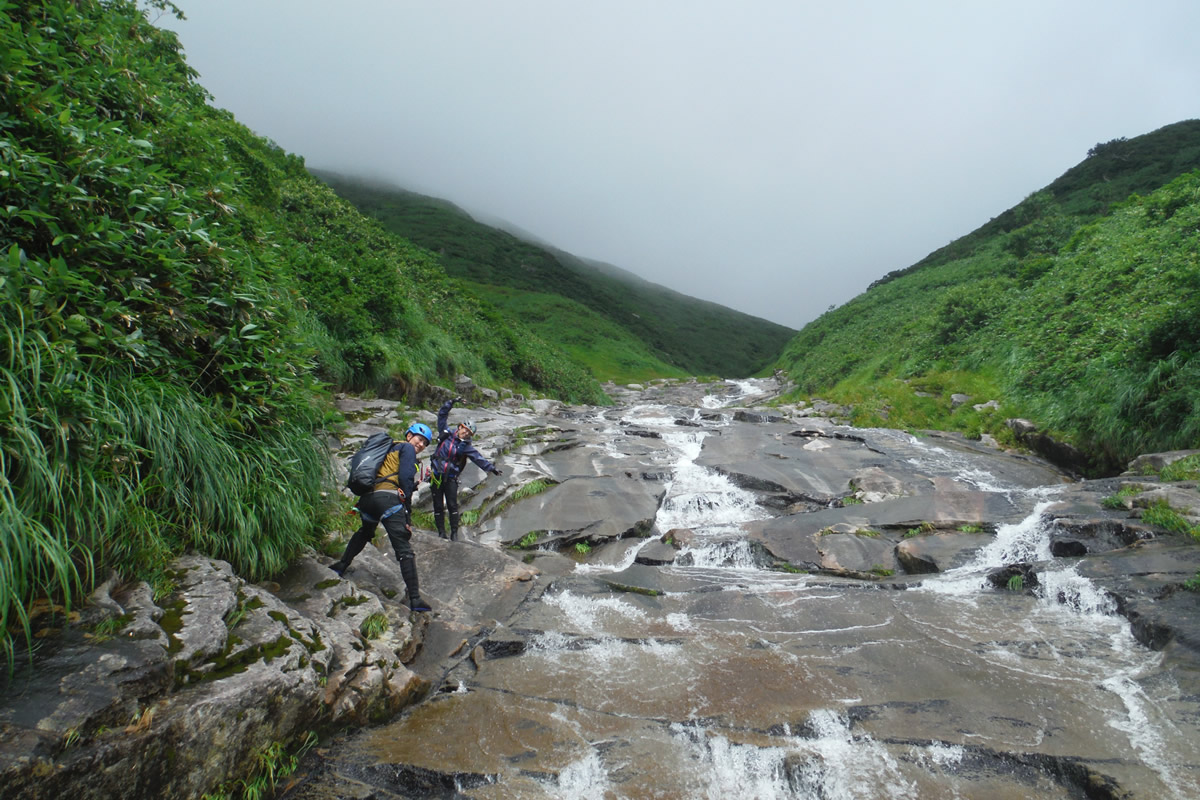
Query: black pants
(371, 507)
(445, 495)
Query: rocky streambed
(685, 595)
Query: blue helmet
(421, 429)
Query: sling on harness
(394, 509)
(443, 457)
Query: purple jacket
(452, 453)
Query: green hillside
(692, 335)
(1079, 308)
(177, 298)
(608, 350)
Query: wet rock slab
(638, 688)
(798, 539)
(581, 510)
(821, 462)
(1147, 582)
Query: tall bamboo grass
(127, 470)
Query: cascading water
(731, 679)
(710, 506)
(1074, 625)
(829, 762)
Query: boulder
(1181, 497)
(857, 553)
(656, 554)
(938, 552)
(545, 407)
(1153, 463)
(873, 485)
(1095, 534)
(679, 538)
(1025, 578)
(756, 417)
(1062, 454)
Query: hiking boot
(339, 568)
(408, 568)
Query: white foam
(586, 615)
(584, 779)
(834, 765)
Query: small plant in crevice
(333, 547)
(1161, 514)
(527, 541)
(1117, 502)
(374, 626)
(1016, 583)
(272, 763)
(523, 492)
(924, 529)
(107, 628)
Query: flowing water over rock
(822, 620)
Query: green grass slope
(692, 335)
(1075, 309)
(177, 296)
(609, 351)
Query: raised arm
(444, 415)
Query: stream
(721, 675)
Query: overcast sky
(776, 156)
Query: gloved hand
(458, 399)
(496, 472)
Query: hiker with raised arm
(387, 499)
(453, 449)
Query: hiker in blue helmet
(453, 449)
(391, 504)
